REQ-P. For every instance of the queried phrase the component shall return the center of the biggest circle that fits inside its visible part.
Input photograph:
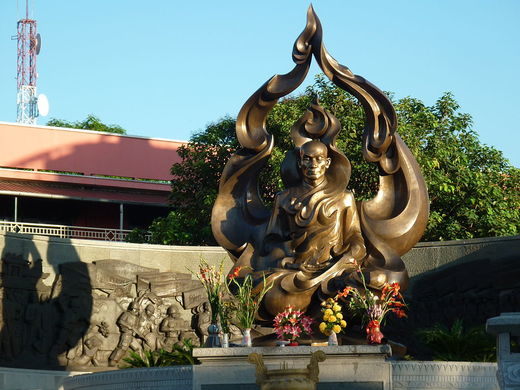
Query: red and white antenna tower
(29, 44)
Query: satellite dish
(43, 105)
(38, 43)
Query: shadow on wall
(43, 320)
(472, 287)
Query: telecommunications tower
(30, 106)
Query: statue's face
(314, 161)
(150, 310)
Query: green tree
(91, 122)
(474, 190)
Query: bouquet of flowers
(332, 320)
(291, 324)
(247, 296)
(211, 278)
(372, 308)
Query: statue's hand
(357, 250)
(288, 263)
(348, 258)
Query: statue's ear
(328, 162)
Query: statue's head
(314, 161)
(149, 310)
(172, 311)
(132, 307)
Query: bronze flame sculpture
(308, 244)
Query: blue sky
(168, 68)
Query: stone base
(346, 367)
(21, 378)
(357, 367)
(162, 378)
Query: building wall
(471, 280)
(55, 251)
(428, 256)
(86, 152)
(424, 260)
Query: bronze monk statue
(308, 244)
(311, 225)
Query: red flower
(344, 293)
(399, 313)
(235, 273)
(391, 288)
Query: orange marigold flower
(399, 313)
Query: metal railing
(65, 231)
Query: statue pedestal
(361, 366)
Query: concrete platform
(357, 367)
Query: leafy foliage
(180, 355)
(474, 190)
(457, 344)
(195, 186)
(91, 122)
(147, 358)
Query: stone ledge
(178, 377)
(417, 375)
(378, 352)
(468, 241)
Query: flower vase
(247, 341)
(225, 340)
(333, 339)
(213, 340)
(293, 343)
(374, 334)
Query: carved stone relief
(93, 314)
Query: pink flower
(291, 323)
